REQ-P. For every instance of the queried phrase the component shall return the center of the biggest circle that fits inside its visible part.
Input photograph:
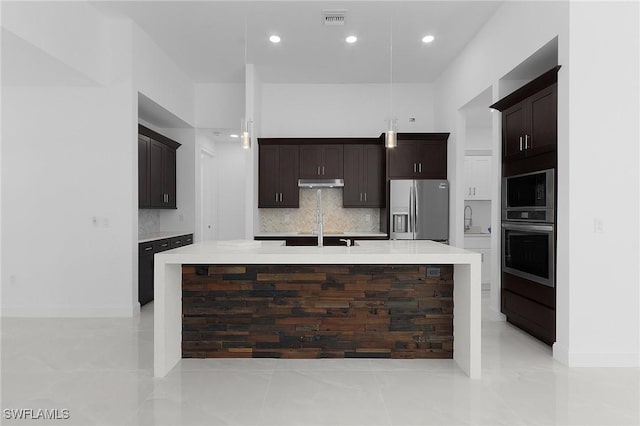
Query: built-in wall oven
(528, 226)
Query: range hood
(320, 183)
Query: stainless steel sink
(328, 242)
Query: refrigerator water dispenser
(401, 222)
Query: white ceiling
(207, 38)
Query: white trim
(592, 359)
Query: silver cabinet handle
(318, 170)
(474, 190)
(520, 143)
(165, 245)
(419, 167)
(469, 190)
(365, 197)
(526, 142)
(361, 197)
(322, 170)
(148, 248)
(178, 242)
(276, 194)
(281, 197)
(415, 168)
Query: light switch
(598, 225)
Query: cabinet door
(477, 177)
(373, 175)
(310, 159)
(432, 159)
(543, 134)
(269, 177)
(145, 272)
(169, 178)
(482, 177)
(143, 171)
(514, 128)
(331, 166)
(288, 176)
(402, 160)
(156, 165)
(352, 191)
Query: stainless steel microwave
(529, 197)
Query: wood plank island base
(376, 299)
(317, 311)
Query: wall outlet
(12, 279)
(181, 217)
(287, 218)
(105, 222)
(367, 218)
(598, 225)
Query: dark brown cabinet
(530, 126)
(278, 176)
(156, 170)
(146, 251)
(321, 161)
(419, 156)
(363, 176)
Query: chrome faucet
(467, 225)
(319, 219)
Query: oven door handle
(522, 227)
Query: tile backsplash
(336, 217)
(148, 221)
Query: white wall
(599, 293)
(219, 106)
(69, 160)
(55, 27)
(313, 110)
(159, 78)
(66, 194)
(597, 274)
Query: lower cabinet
(530, 306)
(145, 262)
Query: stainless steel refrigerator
(419, 209)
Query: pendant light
(245, 125)
(246, 134)
(391, 139)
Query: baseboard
(494, 315)
(68, 311)
(614, 360)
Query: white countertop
(160, 236)
(466, 290)
(346, 234)
(274, 252)
(477, 234)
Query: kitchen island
(202, 260)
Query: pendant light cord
(390, 70)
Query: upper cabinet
(321, 161)
(418, 156)
(278, 176)
(156, 170)
(529, 125)
(363, 175)
(477, 173)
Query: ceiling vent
(333, 18)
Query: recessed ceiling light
(274, 39)
(233, 135)
(428, 39)
(351, 39)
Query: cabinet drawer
(177, 241)
(146, 248)
(161, 245)
(536, 319)
(188, 239)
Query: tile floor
(101, 371)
